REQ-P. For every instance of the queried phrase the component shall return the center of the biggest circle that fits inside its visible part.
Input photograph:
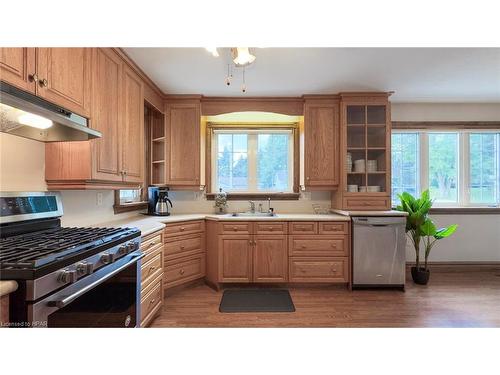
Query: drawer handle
(152, 301)
(181, 272)
(152, 268)
(334, 270)
(334, 245)
(183, 247)
(151, 244)
(303, 246)
(235, 228)
(271, 229)
(182, 228)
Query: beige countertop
(371, 213)
(151, 224)
(7, 287)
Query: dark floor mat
(256, 300)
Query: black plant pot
(420, 276)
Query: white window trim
(463, 169)
(252, 159)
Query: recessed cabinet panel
(321, 156)
(235, 259)
(64, 77)
(183, 144)
(17, 67)
(133, 127)
(270, 259)
(107, 114)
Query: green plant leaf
(445, 232)
(428, 228)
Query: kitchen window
(460, 168)
(256, 160)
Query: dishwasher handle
(379, 221)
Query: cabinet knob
(152, 268)
(183, 247)
(33, 77)
(152, 301)
(182, 228)
(235, 228)
(44, 82)
(181, 272)
(308, 178)
(334, 270)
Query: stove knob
(123, 249)
(131, 246)
(85, 268)
(67, 276)
(107, 258)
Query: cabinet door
(65, 77)
(270, 258)
(107, 115)
(235, 259)
(17, 67)
(321, 145)
(133, 126)
(183, 144)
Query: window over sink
(255, 159)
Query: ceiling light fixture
(242, 56)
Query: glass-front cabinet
(365, 153)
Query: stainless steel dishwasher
(379, 254)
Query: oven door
(110, 297)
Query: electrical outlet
(99, 199)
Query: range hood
(29, 116)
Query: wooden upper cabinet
(133, 126)
(107, 114)
(235, 258)
(270, 258)
(321, 154)
(183, 144)
(17, 67)
(64, 77)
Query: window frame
(211, 155)
(463, 170)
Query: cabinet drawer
(152, 253)
(236, 228)
(152, 242)
(270, 228)
(151, 301)
(303, 227)
(181, 270)
(186, 245)
(333, 270)
(318, 246)
(368, 203)
(150, 270)
(333, 228)
(188, 227)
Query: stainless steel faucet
(252, 207)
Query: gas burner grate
(34, 249)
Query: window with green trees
(259, 160)
(460, 168)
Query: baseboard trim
(460, 266)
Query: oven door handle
(67, 300)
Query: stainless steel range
(68, 277)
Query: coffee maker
(158, 201)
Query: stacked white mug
(348, 163)
(371, 166)
(359, 165)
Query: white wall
(478, 237)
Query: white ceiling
(415, 74)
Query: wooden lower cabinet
(235, 258)
(151, 277)
(184, 252)
(270, 258)
(310, 252)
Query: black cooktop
(56, 247)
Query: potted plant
(420, 227)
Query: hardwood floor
(452, 299)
